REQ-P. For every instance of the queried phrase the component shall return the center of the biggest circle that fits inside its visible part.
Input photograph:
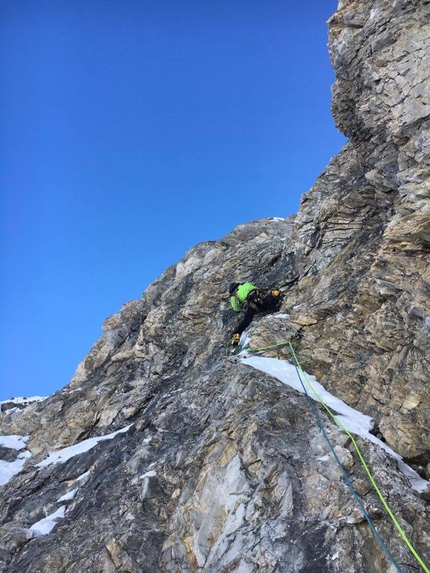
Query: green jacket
(243, 291)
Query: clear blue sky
(131, 130)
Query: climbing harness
(301, 374)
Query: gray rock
(222, 467)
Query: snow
(244, 339)
(13, 442)
(65, 454)
(12, 411)
(10, 469)
(374, 13)
(151, 473)
(146, 477)
(353, 420)
(83, 476)
(24, 400)
(47, 524)
(68, 496)
(418, 483)
(21, 400)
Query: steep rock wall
(362, 235)
(219, 467)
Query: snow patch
(65, 454)
(151, 473)
(374, 14)
(15, 410)
(68, 496)
(244, 339)
(24, 400)
(14, 442)
(145, 478)
(353, 420)
(10, 469)
(47, 524)
(83, 476)
(417, 482)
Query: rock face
(364, 229)
(210, 465)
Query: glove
(235, 339)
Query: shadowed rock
(221, 467)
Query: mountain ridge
(222, 467)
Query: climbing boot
(235, 339)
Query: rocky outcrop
(362, 235)
(171, 457)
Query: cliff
(163, 454)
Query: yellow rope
(368, 472)
(264, 348)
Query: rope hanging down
(384, 502)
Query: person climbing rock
(249, 298)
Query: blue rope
(345, 475)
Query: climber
(251, 299)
